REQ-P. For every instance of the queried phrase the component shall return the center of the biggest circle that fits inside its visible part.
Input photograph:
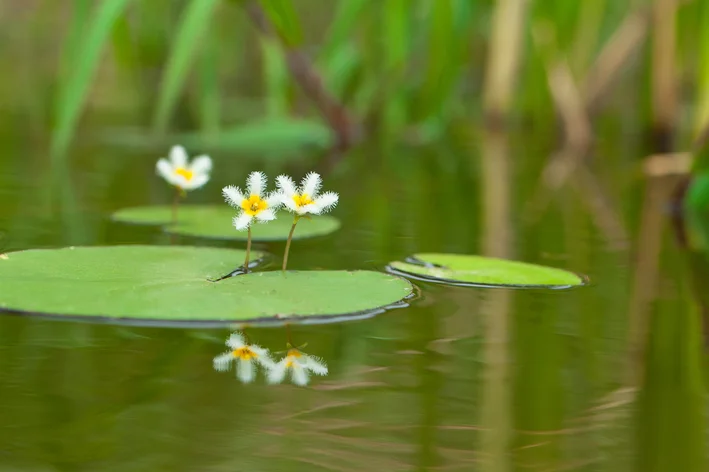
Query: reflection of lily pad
(171, 285)
(462, 269)
(215, 222)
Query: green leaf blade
(82, 61)
(194, 22)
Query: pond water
(606, 377)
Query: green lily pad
(459, 269)
(215, 222)
(174, 285)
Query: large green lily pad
(215, 222)
(460, 269)
(172, 285)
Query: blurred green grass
(401, 68)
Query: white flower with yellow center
(246, 357)
(178, 171)
(255, 203)
(305, 199)
(299, 364)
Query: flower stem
(248, 251)
(290, 237)
(175, 205)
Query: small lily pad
(460, 269)
(215, 222)
(173, 285)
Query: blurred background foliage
(279, 77)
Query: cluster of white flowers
(257, 204)
(247, 356)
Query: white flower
(305, 199)
(299, 364)
(245, 355)
(182, 174)
(255, 203)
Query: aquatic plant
(299, 365)
(255, 204)
(182, 174)
(245, 355)
(303, 200)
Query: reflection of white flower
(255, 203)
(245, 356)
(299, 364)
(182, 174)
(305, 199)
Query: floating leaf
(459, 269)
(215, 222)
(172, 285)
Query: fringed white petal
(256, 183)
(274, 200)
(180, 181)
(164, 169)
(277, 372)
(236, 341)
(326, 202)
(196, 182)
(290, 205)
(286, 185)
(242, 221)
(178, 157)
(266, 215)
(263, 356)
(223, 361)
(309, 208)
(311, 184)
(201, 165)
(245, 370)
(299, 374)
(233, 196)
(315, 365)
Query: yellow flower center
(292, 353)
(302, 199)
(186, 173)
(244, 353)
(253, 205)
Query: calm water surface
(608, 377)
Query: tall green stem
(290, 238)
(248, 251)
(175, 205)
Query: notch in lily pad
(479, 271)
(215, 222)
(172, 286)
